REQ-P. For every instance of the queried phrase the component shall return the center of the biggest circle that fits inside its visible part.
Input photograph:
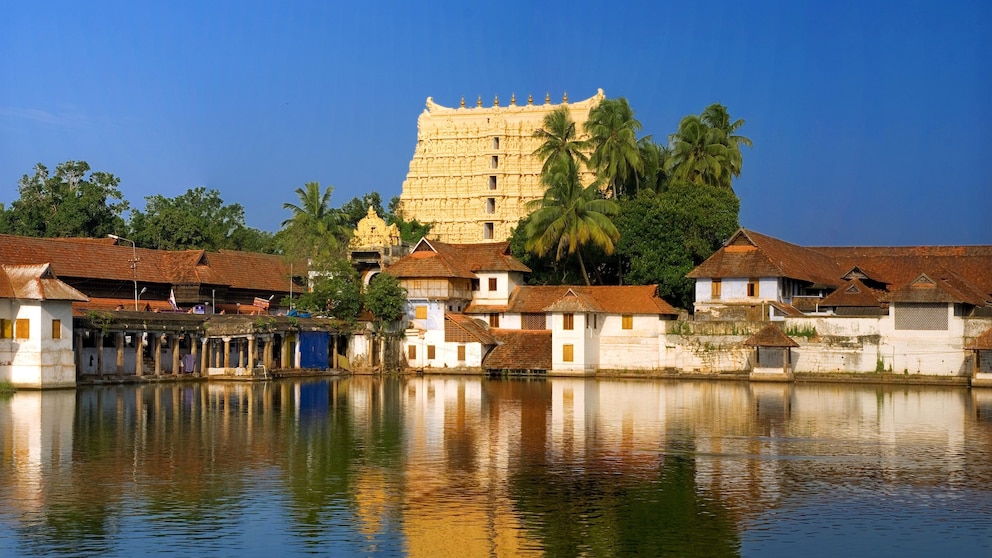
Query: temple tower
(473, 171)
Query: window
(490, 205)
(487, 231)
(22, 329)
(493, 320)
(431, 353)
(568, 321)
(411, 352)
(752, 287)
(494, 162)
(492, 182)
(627, 321)
(420, 312)
(492, 283)
(533, 321)
(716, 286)
(56, 329)
(461, 352)
(496, 143)
(6, 329)
(568, 353)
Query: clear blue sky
(870, 120)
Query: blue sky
(870, 120)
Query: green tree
(385, 298)
(336, 290)
(706, 148)
(196, 220)
(716, 116)
(664, 236)
(410, 231)
(315, 230)
(616, 156)
(559, 139)
(66, 203)
(358, 207)
(570, 216)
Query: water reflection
(463, 466)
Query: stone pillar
(193, 351)
(99, 353)
(334, 353)
(157, 347)
(284, 353)
(175, 354)
(227, 352)
(267, 352)
(205, 342)
(78, 357)
(119, 338)
(139, 355)
(251, 351)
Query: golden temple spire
(463, 101)
(479, 102)
(513, 99)
(564, 97)
(530, 99)
(547, 98)
(496, 101)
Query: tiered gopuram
(473, 170)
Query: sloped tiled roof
(787, 309)
(898, 265)
(35, 282)
(104, 259)
(752, 254)
(770, 336)
(439, 259)
(467, 326)
(520, 350)
(854, 293)
(937, 287)
(981, 343)
(626, 299)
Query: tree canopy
(663, 237)
(66, 203)
(198, 219)
(616, 155)
(706, 150)
(336, 290)
(570, 216)
(385, 298)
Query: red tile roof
(965, 272)
(627, 299)
(466, 326)
(104, 259)
(938, 287)
(752, 254)
(520, 350)
(35, 282)
(770, 336)
(854, 293)
(439, 259)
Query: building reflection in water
(561, 466)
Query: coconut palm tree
(314, 229)
(716, 116)
(699, 154)
(570, 216)
(616, 155)
(558, 133)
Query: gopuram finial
(547, 98)
(530, 99)
(564, 97)
(463, 101)
(479, 102)
(496, 101)
(513, 99)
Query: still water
(456, 466)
